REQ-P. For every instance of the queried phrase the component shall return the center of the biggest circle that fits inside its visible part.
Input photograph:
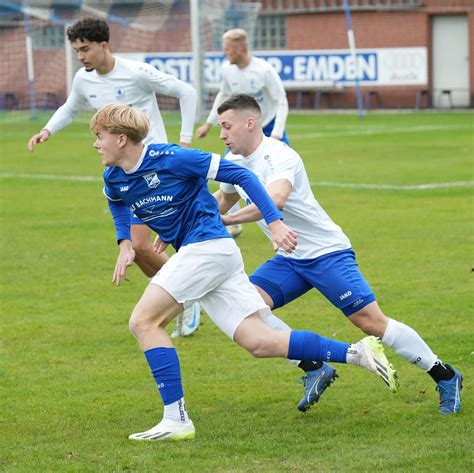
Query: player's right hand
(124, 260)
(40, 137)
(159, 245)
(201, 132)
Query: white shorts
(212, 272)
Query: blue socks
(164, 366)
(304, 345)
(309, 346)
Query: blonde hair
(121, 119)
(237, 34)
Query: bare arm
(225, 200)
(278, 191)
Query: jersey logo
(124, 189)
(119, 94)
(152, 180)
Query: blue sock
(309, 346)
(164, 366)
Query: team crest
(119, 94)
(152, 180)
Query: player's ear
(122, 140)
(251, 123)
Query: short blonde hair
(237, 34)
(121, 119)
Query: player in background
(166, 185)
(324, 258)
(107, 79)
(246, 74)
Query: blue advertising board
(386, 66)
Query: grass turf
(74, 383)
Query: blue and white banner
(384, 66)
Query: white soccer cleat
(369, 354)
(167, 431)
(188, 321)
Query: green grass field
(75, 385)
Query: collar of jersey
(140, 161)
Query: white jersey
(317, 234)
(133, 83)
(260, 80)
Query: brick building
(444, 29)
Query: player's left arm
(277, 90)
(166, 84)
(281, 235)
(277, 190)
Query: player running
(166, 186)
(324, 258)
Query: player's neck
(131, 156)
(253, 146)
(244, 62)
(107, 65)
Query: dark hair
(239, 102)
(90, 29)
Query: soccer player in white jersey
(324, 258)
(107, 79)
(246, 74)
(166, 185)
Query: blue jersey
(167, 190)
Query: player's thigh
(229, 303)
(156, 306)
(198, 268)
(338, 277)
(280, 281)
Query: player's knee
(258, 346)
(370, 320)
(138, 322)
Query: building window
(270, 32)
(48, 37)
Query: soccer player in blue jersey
(324, 258)
(166, 187)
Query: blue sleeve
(234, 174)
(191, 163)
(121, 215)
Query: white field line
(354, 185)
(412, 187)
(378, 131)
(50, 177)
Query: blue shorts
(335, 275)
(267, 131)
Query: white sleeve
(65, 114)
(277, 91)
(165, 84)
(223, 94)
